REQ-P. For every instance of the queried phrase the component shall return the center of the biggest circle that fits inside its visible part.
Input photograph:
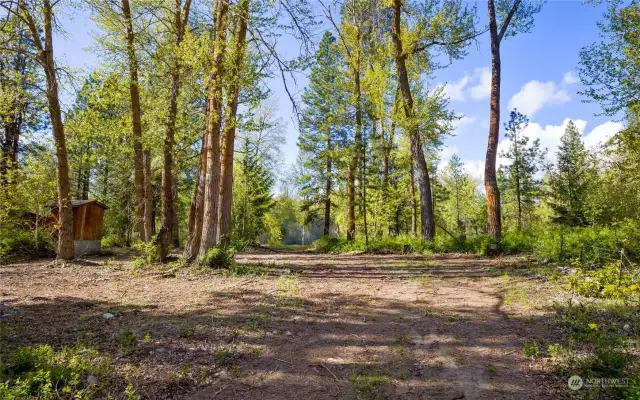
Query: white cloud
(476, 86)
(461, 123)
(483, 89)
(549, 136)
(475, 169)
(569, 78)
(454, 91)
(535, 94)
(601, 133)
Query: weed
(531, 349)
(41, 372)
(127, 341)
(368, 386)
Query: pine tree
(569, 183)
(254, 193)
(320, 131)
(519, 177)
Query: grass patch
(43, 373)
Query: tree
(611, 69)
(570, 181)
(451, 36)
(228, 134)
(39, 17)
(525, 159)
(320, 131)
(255, 200)
(458, 182)
(178, 28)
(510, 18)
(215, 77)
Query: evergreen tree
(569, 183)
(320, 131)
(254, 193)
(519, 177)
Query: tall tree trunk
(229, 132)
(353, 167)
(138, 157)
(209, 235)
(490, 180)
(494, 225)
(168, 216)
(414, 203)
(194, 226)
(327, 196)
(149, 219)
(45, 58)
(428, 228)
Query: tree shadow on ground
(282, 343)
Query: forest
(160, 239)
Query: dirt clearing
(298, 325)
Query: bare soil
(305, 326)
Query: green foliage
(531, 349)
(608, 282)
(17, 244)
(598, 345)
(218, 257)
(40, 372)
(569, 183)
(112, 241)
(518, 179)
(147, 254)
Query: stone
(161, 350)
(108, 315)
(626, 327)
(92, 380)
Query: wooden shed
(88, 218)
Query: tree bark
(353, 167)
(138, 157)
(209, 237)
(45, 58)
(229, 132)
(494, 224)
(194, 226)
(327, 198)
(149, 220)
(428, 228)
(168, 215)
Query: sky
(539, 77)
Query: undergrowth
(43, 373)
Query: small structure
(88, 218)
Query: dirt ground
(303, 326)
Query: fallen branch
(332, 374)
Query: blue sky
(539, 76)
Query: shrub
(40, 372)
(531, 349)
(112, 241)
(148, 254)
(606, 282)
(218, 257)
(16, 244)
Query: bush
(16, 244)
(607, 282)
(219, 257)
(112, 241)
(149, 254)
(40, 372)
